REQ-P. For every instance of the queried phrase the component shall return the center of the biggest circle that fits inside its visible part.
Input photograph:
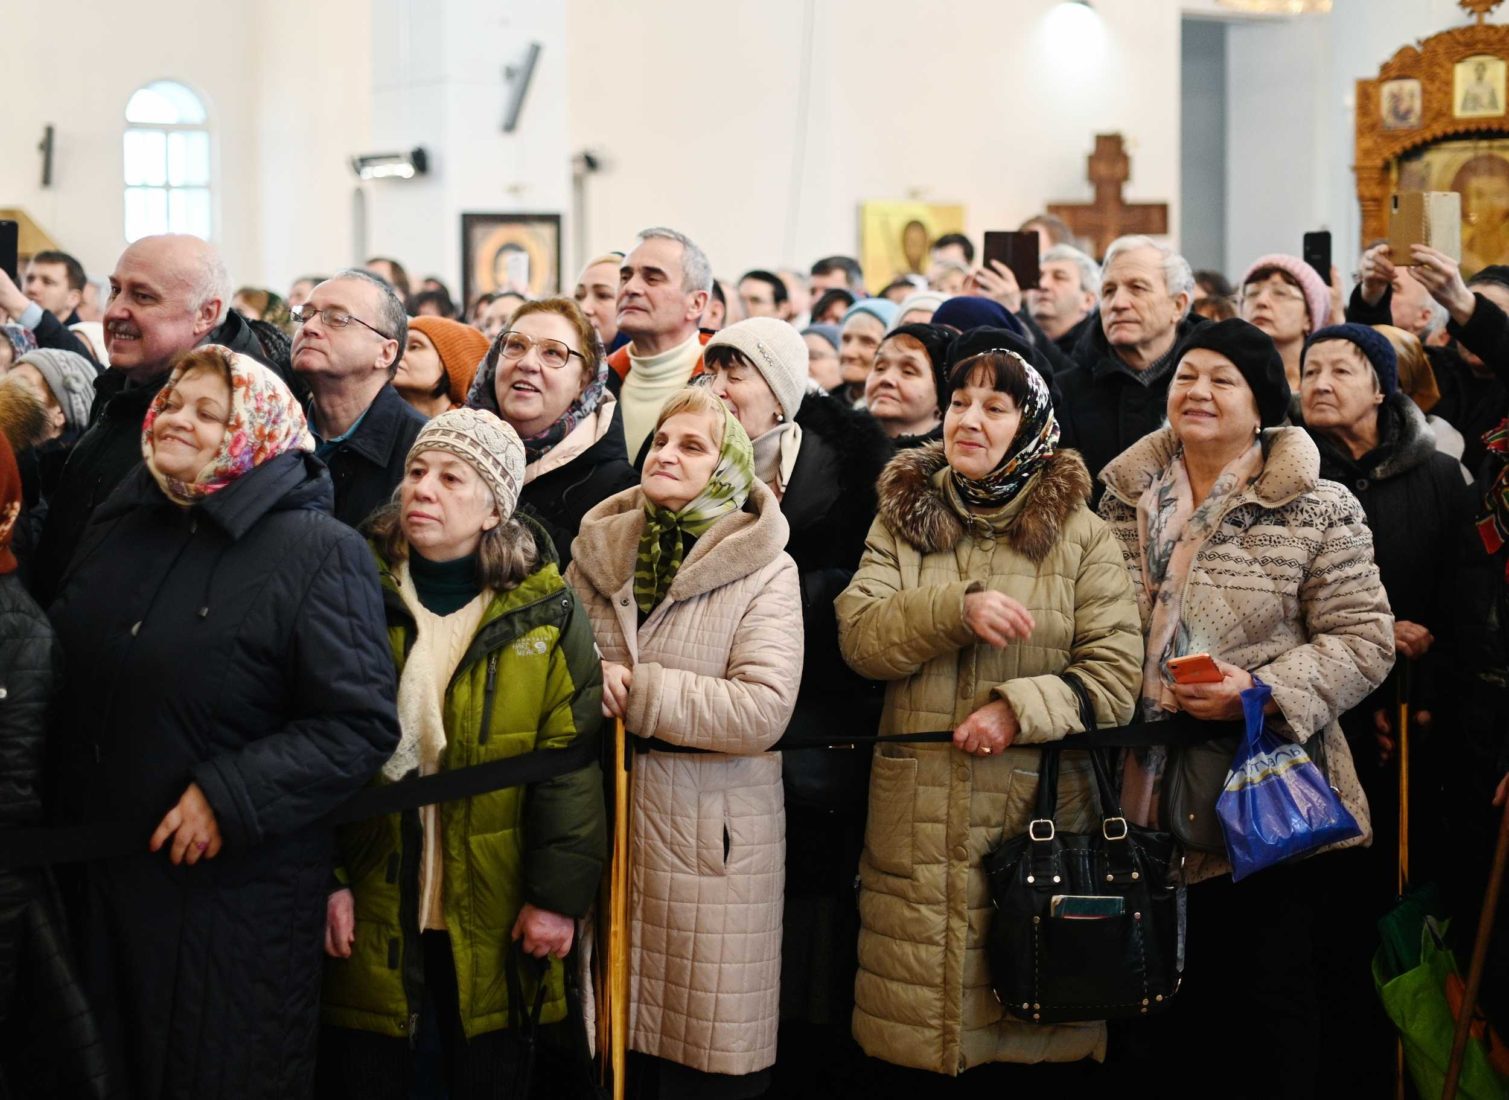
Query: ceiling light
(397, 166)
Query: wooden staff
(1402, 748)
(1479, 958)
(618, 927)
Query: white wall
(989, 103)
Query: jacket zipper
(488, 693)
(410, 841)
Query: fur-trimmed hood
(1405, 442)
(914, 506)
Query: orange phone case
(1195, 668)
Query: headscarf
(265, 421)
(483, 395)
(1036, 436)
(10, 504)
(662, 542)
(22, 340)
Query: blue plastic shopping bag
(1276, 804)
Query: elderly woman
(984, 581)
(1287, 299)
(821, 459)
(494, 659)
(693, 601)
(822, 356)
(860, 333)
(1237, 548)
(440, 358)
(904, 391)
(546, 376)
(228, 682)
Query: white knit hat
(488, 444)
(777, 351)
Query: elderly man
(352, 332)
(167, 295)
(54, 288)
(663, 288)
(1062, 305)
(1116, 391)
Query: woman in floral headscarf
(545, 376)
(228, 684)
(697, 612)
(986, 582)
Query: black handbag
(1086, 926)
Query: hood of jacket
(745, 542)
(1291, 466)
(843, 451)
(288, 482)
(914, 506)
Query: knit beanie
(70, 377)
(1317, 294)
(967, 311)
(935, 340)
(882, 309)
(927, 299)
(1497, 274)
(1252, 352)
(827, 332)
(489, 445)
(777, 351)
(460, 347)
(1373, 345)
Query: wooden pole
(1402, 748)
(1479, 958)
(618, 931)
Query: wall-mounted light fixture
(391, 166)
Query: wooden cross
(1110, 216)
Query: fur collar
(913, 504)
(1291, 466)
(745, 541)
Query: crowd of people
(261, 551)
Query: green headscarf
(662, 543)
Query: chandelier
(1278, 7)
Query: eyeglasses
(1278, 292)
(332, 318)
(553, 353)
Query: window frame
(209, 229)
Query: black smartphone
(1018, 251)
(1317, 253)
(10, 242)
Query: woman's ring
(986, 750)
(202, 844)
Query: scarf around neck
(483, 394)
(662, 542)
(1171, 530)
(1035, 442)
(265, 421)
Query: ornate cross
(1110, 216)
(1479, 8)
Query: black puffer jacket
(51, 1044)
(559, 498)
(240, 645)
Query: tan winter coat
(716, 666)
(923, 996)
(1286, 588)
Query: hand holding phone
(1018, 252)
(1194, 668)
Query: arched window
(167, 162)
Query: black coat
(1103, 409)
(240, 645)
(368, 465)
(50, 1041)
(559, 498)
(108, 450)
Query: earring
(780, 418)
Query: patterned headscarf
(21, 338)
(10, 504)
(1036, 440)
(662, 543)
(265, 421)
(483, 394)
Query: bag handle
(1113, 823)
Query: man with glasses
(351, 336)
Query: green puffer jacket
(529, 680)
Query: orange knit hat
(461, 349)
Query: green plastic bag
(1414, 996)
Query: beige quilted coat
(1286, 588)
(923, 996)
(716, 666)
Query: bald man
(167, 295)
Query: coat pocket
(888, 830)
(713, 837)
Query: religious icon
(1478, 87)
(1479, 171)
(1400, 104)
(894, 237)
(516, 252)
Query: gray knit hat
(70, 377)
(488, 444)
(777, 351)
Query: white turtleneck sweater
(649, 384)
